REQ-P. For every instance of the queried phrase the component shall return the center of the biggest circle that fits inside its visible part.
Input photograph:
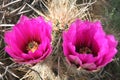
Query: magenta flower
(87, 46)
(29, 41)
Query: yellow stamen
(85, 50)
(32, 46)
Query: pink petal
(87, 58)
(74, 59)
(89, 66)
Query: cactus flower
(29, 41)
(86, 45)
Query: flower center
(32, 46)
(85, 50)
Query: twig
(13, 2)
(1, 78)
(7, 70)
(34, 1)
(57, 45)
(6, 25)
(3, 16)
(32, 70)
(110, 75)
(14, 11)
(23, 12)
(22, 8)
(37, 11)
(1, 63)
(59, 68)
